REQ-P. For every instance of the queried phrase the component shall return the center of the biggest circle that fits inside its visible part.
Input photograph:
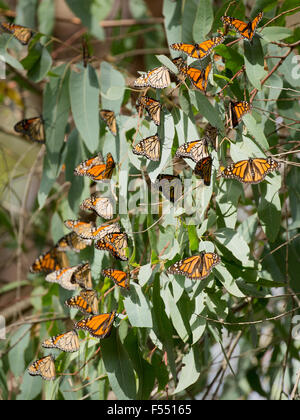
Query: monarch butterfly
(211, 134)
(87, 230)
(110, 119)
(50, 261)
(119, 277)
(157, 78)
(199, 51)
(21, 33)
(246, 30)
(195, 150)
(148, 147)
(170, 186)
(82, 229)
(43, 367)
(82, 276)
(115, 243)
(64, 278)
(197, 267)
(103, 206)
(237, 110)
(152, 106)
(72, 242)
(87, 302)
(203, 169)
(96, 169)
(33, 128)
(251, 171)
(199, 78)
(180, 63)
(98, 326)
(67, 342)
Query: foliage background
(161, 349)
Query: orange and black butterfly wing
(86, 302)
(203, 169)
(148, 147)
(119, 277)
(195, 150)
(251, 171)
(198, 51)
(199, 78)
(237, 111)
(67, 342)
(110, 119)
(43, 367)
(21, 33)
(115, 243)
(99, 326)
(33, 128)
(246, 30)
(47, 262)
(197, 267)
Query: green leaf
(204, 20)
(46, 16)
(172, 15)
(275, 33)
(118, 367)
(254, 62)
(55, 114)
(112, 85)
(40, 69)
(145, 372)
(138, 307)
(84, 94)
(191, 369)
(25, 13)
(205, 108)
(19, 343)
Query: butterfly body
(251, 171)
(197, 267)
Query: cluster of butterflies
(109, 236)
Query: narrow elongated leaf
(84, 94)
(118, 367)
(204, 20)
